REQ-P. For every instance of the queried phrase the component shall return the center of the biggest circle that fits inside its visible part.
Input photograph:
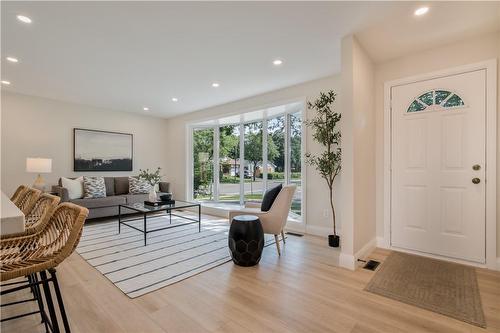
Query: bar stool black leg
(52, 272)
(38, 296)
(41, 305)
(50, 304)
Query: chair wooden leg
(283, 236)
(277, 241)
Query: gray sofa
(117, 193)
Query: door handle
(476, 167)
(476, 180)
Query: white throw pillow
(74, 186)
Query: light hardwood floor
(302, 291)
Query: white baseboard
(347, 261)
(382, 243)
(350, 261)
(319, 231)
(366, 249)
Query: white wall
(474, 50)
(358, 144)
(316, 191)
(364, 149)
(38, 127)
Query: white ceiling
(445, 23)
(127, 55)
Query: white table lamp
(39, 165)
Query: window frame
(191, 127)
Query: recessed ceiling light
(5, 82)
(24, 19)
(277, 62)
(215, 84)
(421, 11)
(174, 99)
(12, 59)
(145, 108)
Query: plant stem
(333, 210)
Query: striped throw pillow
(94, 187)
(138, 186)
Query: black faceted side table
(246, 240)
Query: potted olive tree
(325, 132)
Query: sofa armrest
(164, 187)
(61, 192)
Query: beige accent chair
(274, 220)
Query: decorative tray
(159, 203)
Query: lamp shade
(38, 165)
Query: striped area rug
(170, 256)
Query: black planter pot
(333, 240)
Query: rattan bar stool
(27, 199)
(18, 192)
(41, 253)
(38, 216)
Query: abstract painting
(102, 151)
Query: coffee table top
(143, 208)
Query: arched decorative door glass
(437, 99)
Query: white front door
(438, 156)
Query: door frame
(491, 155)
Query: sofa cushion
(109, 182)
(100, 202)
(136, 198)
(164, 187)
(121, 185)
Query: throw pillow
(74, 187)
(269, 198)
(94, 187)
(138, 186)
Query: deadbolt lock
(476, 167)
(476, 180)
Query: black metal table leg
(50, 304)
(170, 213)
(119, 218)
(52, 272)
(199, 218)
(145, 232)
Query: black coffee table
(148, 210)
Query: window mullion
(264, 154)
(242, 163)
(216, 163)
(287, 148)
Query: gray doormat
(439, 286)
